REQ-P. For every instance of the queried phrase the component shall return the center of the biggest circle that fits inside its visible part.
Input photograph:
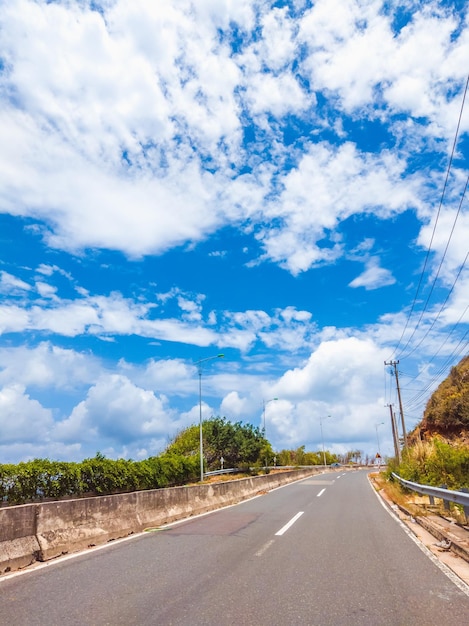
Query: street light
(264, 404)
(201, 443)
(322, 437)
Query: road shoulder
(445, 539)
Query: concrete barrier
(48, 530)
(18, 543)
(72, 525)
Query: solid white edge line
(444, 568)
(288, 524)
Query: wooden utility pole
(395, 434)
(401, 410)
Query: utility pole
(401, 410)
(395, 434)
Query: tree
(239, 444)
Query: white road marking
(290, 523)
(264, 548)
(442, 566)
(320, 493)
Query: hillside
(447, 411)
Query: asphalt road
(320, 552)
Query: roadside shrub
(42, 479)
(434, 462)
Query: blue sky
(280, 182)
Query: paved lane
(320, 552)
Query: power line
(427, 256)
(441, 308)
(436, 278)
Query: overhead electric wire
(436, 278)
(433, 232)
(446, 340)
(454, 354)
(441, 309)
(462, 345)
(457, 352)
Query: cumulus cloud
(329, 185)
(113, 315)
(126, 101)
(346, 358)
(23, 419)
(340, 39)
(234, 405)
(117, 411)
(47, 366)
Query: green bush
(42, 479)
(435, 462)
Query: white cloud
(401, 66)
(163, 376)
(13, 319)
(118, 109)
(449, 238)
(45, 290)
(234, 405)
(374, 276)
(47, 366)
(22, 419)
(41, 449)
(11, 285)
(278, 95)
(329, 185)
(118, 412)
(339, 369)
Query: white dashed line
(290, 523)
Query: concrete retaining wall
(44, 531)
(18, 543)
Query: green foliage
(186, 442)
(38, 479)
(443, 457)
(239, 444)
(448, 408)
(42, 479)
(300, 457)
(435, 463)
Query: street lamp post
(201, 441)
(264, 404)
(322, 438)
(377, 439)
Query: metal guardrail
(269, 467)
(220, 472)
(448, 495)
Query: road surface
(320, 552)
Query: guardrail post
(446, 503)
(466, 508)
